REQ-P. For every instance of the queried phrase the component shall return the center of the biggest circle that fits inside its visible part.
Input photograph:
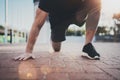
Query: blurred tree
(116, 18)
(2, 30)
(101, 30)
(1, 27)
(72, 32)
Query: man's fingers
(21, 58)
(29, 56)
(25, 57)
(16, 58)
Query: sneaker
(90, 52)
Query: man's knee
(56, 46)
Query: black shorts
(60, 24)
(60, 20)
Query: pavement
(65, 65)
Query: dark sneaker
(90, 52)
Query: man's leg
(57, 36)
(92, 19)
(91, 26)
(37, 24)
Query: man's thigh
(90, 6)
(58, 33)
(58, 28)
(93, 5)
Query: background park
(15, 22)
(16, 18)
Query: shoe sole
(86, 55)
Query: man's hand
(25, 56)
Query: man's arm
(36, 27)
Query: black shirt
(61, 10)
(60, 6)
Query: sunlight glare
(111, 6)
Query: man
(61, 14)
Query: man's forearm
(36, 27)
(32, 38)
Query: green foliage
(101, 30)
(71, 32)
(1, 27)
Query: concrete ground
(65, 65)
